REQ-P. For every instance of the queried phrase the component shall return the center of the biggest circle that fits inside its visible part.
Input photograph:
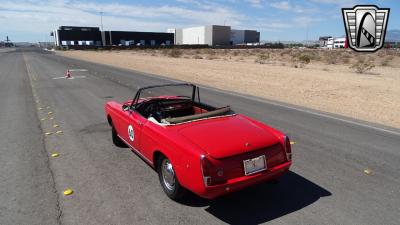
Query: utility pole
(308, 26)
(101, 19)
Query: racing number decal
(131, 133)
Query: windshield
(169, 90)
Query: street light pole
(101, 19)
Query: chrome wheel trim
(168, 174)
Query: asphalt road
(327, 184)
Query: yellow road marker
(40, 108)
(55, 154)
(59, 132)
(43, 119)
(292, 142)
(368, 171)
(49, 113)
(51, 118)
(55, 125)
(68, 191)
(48, 133)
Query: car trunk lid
(228, 136)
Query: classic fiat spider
(208, 150)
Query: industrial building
(244, 36)
(70, 36)
(214, 35)
(323, 41)
(340, 42)
(92, 36)
(332, 43)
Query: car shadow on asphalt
(263, 202)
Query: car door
(131, 128)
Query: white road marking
(71, 78)
(78, 70)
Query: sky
(289, 20)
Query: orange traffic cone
(68, 74)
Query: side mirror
(125, 107)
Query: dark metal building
(92, 37)
(129, 38)
(71, 36)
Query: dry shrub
(332, 59)
(211, 57)
(164, 52)
(286, 52)
(257, 51)
(197, 57)
(300, 60)
(386, 61)
(175, 53)
(262, 58)
(313, 55)
(189, 52)
(225, 52)
(362, 65)
(346, 59)
(209, 51)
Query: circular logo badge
(131, 133)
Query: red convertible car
(208, 150)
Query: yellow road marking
(48, 133)
(292, 142)
(59, 132)
(368, 171)
(55, 154)
(68, 191)
(49, 113)
(55, 125)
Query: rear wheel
(116, 140)
(167, 177)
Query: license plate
(254, 165)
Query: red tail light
(212, 175)
(288, 148)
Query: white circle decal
(131, 133)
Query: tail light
(212, 175)
(287, 147)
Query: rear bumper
(240, 183)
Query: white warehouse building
(333, 43)
(213, 35)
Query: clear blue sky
(32, 20)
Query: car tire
(168, 180)
(116, 140)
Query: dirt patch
(326, 82)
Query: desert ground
(335, 81)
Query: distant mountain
(393, 36)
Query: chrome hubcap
(168, 174)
